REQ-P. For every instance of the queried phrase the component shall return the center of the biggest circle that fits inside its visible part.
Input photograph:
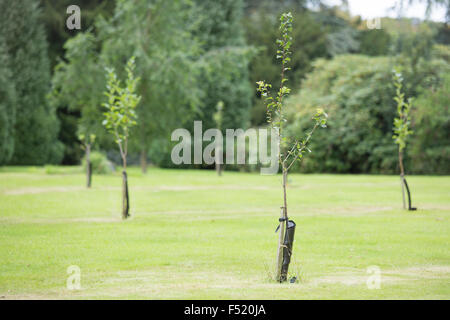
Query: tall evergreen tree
(7, 108)
(36, 126)
(225, 62)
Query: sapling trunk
(280, 244)
(402, 176)
(283, 227)
(88, 166)
(125, 195)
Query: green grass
(193, 235)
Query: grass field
(193, 235)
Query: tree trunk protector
(410, 208)
(125, 197)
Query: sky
(369, 9)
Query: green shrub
(100, 163)
(430, 145)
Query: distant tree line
(191, 55)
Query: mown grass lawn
(193, 235)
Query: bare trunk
(144, 161)
(283, 225)
(217, 160)
(88, 166)
(402, 176)
(125, 195)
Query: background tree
(54, 16)
(24, 42)
(120, 117)
(159, 34)
(7, 108)
(374, 42)
(80, 93)
(223, 63)
(430, 148)
(289, 151)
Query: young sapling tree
(402, 131)
(120, 117)
(290, 149)
(71, 88)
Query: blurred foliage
(7, 107)
(36, 126)
(100, 163)
(222, 72)
(159, 34)
(55, 16)
(430, 147)
(75, 93)
(191, 54)
(340, 27)
(224, 63)
(358, 94)
(374, 42)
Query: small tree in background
(218, 119)
(290, 150)
(120, 117)
(401, 131)
(80, 93)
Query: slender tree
(290, 150)
(120, 117)
(72, 89)
(402, 131)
